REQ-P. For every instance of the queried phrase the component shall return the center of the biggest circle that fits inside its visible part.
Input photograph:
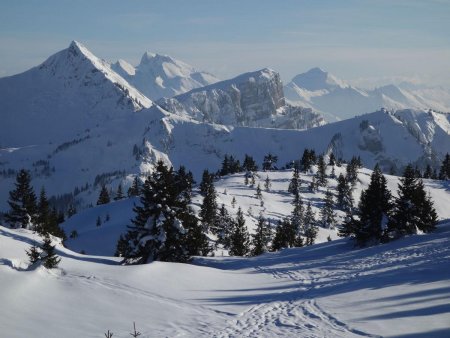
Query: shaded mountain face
(159, 76)
(71, 91)
(337, 100)
(253, 99)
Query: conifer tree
(344, 194)
(267, 184)
(321, 177)
(310, 229)
(269, 162)
(294, 185)
(43, 219)
(413, 209)
(327, 211)
(103, 197)
(135, 188)
(332, 160)
(233, 202)
(297, 219)
(249, 164)
(22, 202)
(428, 172)
(207, 180)
(119, 193)
(239, 241)
(33, 254)
(261, 238)
(224, 227)
(444, 172)
(208, 210)
(258, 193)
(51, 260)
(373, 211)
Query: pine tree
(267, 184)
(207, 180)
(135, 189)
(321, 177)
(224, 227)
(344, 194)
(294, 185)
(22, 202)
(103, 197)
(261, 238)
(33, 254)
(332, 160)
(208, 210)
(413, 209)
(197, 242)
(269, 162)
(258, 193)
(51, 260)
(119, 193)
(233, 202)
(373, 211)
(352, 171)
(43, 214)
(249, 164)
(327, 211)
(308, 159)
(428, 172)
(297, 220)
(239, 241)
(444, 172)
(310, 229)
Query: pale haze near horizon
(363, 42)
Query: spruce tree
(22, 202)
(444, 172)
(119, 193)
(258, 193)
(135, 188)
(43, 214)
(294, 185)
(249, 164)
(239, 241)
(208, 210)
(51, 260)
(332, 160)
(224, 227)
(297, 219)
(321, 177)
(267, 184)
(327, 211)
(373, 211)
(103, 197)
(261, 238)
(269, 162)
(413, 209)
(344, 194)
(310, 228)
(233, 202)
(34, 255)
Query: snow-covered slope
(70, 92)
(337, 100)
(253, 99)
(160, 76)
(399, 289)
(115, 151)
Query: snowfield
(330, 289)
(401, 289)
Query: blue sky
(363, 41)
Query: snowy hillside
(253, 99)
(323, 92)
(160, 76)
(399, 289)
(118, 149)
(277, 204)
(71, 91)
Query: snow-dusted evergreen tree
(224, 227)
(310, 227)
(135, 189)
(119, 193)
(240, 239)
(258, 193)
(344, 194)
(261, 237)
(428, 172)
(444, 172)
(328, 217)
(294, 185)
(34, 254)
(413, 209)
(158, 232)
(208, 210)
(297, 220)
(47, 220)
(233, 202)
(249, 164)
(332, 160)
(48, 255)
(103, 197)
(267, 183)
(321, 177)
(352, 170)
(22, 202)
(308, 159)
(269, 162)
(373, 211)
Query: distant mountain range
(76, 124)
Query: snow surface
(401, 289)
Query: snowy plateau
(78, 122)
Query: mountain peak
(318, 79)
(155, 58)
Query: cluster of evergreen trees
(26, 211)
(380, 217)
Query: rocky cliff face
(253, 99)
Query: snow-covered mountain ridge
(337, 100)
(254, 99)
(160, 76)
